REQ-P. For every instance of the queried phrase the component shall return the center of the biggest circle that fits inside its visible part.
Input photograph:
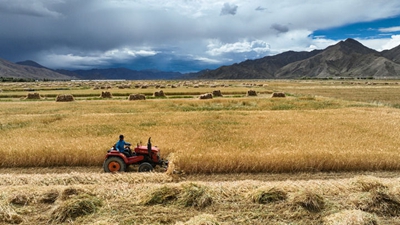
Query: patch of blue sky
(364, 30)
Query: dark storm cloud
(28, 8)
(280, 28)
(163, 34)
(260, 8)
(228, 9)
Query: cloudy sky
(185, 35)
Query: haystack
(123, 86)
(137, 97)
(251, 93)
(263, 196)
(49, 197)
(310, 201)
(106, 94)
(162, 195)
(65, 98)
(159, 94)
(217, 93)
(33, 96)
(75, 207)
(206, 96)
(195, 195)
(278, 95)
(354, 217)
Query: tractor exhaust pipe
(149, 147)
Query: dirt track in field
(213, 177)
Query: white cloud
(382, 43)
(207, 60)
(99, 59)
(216, 47)
(126, 53)
(390, 29)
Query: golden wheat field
(223, 153)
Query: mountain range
(107, 74)
(347, 58)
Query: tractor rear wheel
(145, 167)
(114, 164)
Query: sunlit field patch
(301, 132)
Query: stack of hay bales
(217, 93)
(65, 98)
(137, 97)
(106, 94)
(278, 95)
(206, 96)
(159, 94)
(251, 93)
(33, 96)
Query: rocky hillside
(345, 59)
(16, 71)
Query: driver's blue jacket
(120, 145)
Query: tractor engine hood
(143, 149)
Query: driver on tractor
(120, 146)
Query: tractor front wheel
(114, 164)
(145, 167)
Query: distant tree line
(14, 79)
(337, 78)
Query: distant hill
(31, 63)
(345, 59)
(13, 70)
(264, 68)
(110, 73)
(393, 54)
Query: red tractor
(147, 157)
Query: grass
(299, 133)
(122, 199)
(240, 160)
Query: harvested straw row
(65, 98)
(33, 96)
(133, 97)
